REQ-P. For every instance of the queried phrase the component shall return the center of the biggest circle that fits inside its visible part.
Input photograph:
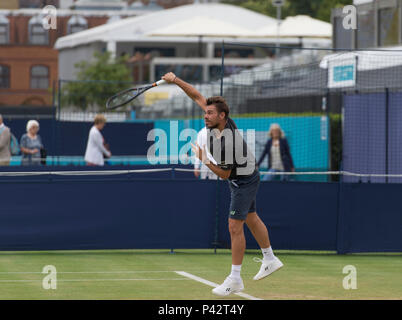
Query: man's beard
(212, 126)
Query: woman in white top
(95, 148)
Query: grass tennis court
(150, 274)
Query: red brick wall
(20, 56)
(20, 60)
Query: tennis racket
(128, 95)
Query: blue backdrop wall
(371, 135)
(166, 211)
(68, 138)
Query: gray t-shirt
(28, 143)
(235, 145)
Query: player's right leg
(233, 283)
(242, 200)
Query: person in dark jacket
(278, 151)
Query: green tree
(319, 9)
(97, 81)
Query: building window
(156, 52)
(38, 3)
(76, 24)
(4, 77)
(185, 72)
(37, 33)
(39, 77)
(4, 30)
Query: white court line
(108, 272)
(213, 284)
(83, 272)
(98, 280)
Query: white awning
(299, 26)
(202, 26)
(140, 28)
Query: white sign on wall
(342, 73)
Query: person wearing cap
(31, 144)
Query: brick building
(28, 61)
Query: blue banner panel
(73, 212)
(364, 136)
(106, 215)
(69, 138)
(124, 138)
(299, 216)
(394, 136)
(370, 218)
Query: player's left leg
(258, 230)
(269, 263)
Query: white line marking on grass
(111, 272)
(84, 272)
(213, 284)
(97, 280)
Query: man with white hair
(5, 135)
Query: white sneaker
(267, 267)
(229, 286)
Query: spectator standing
(31, 144)
(278, 151)
(5, 136)
(95, 152)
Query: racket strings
(122, 98)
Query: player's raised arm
(192, 92)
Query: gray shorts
(243, 194)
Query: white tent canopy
(141, 28)
(299, 26)
(203, 26)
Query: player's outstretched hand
(201, 154)
(169, 77)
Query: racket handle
(158, 83)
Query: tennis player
(243, 183)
